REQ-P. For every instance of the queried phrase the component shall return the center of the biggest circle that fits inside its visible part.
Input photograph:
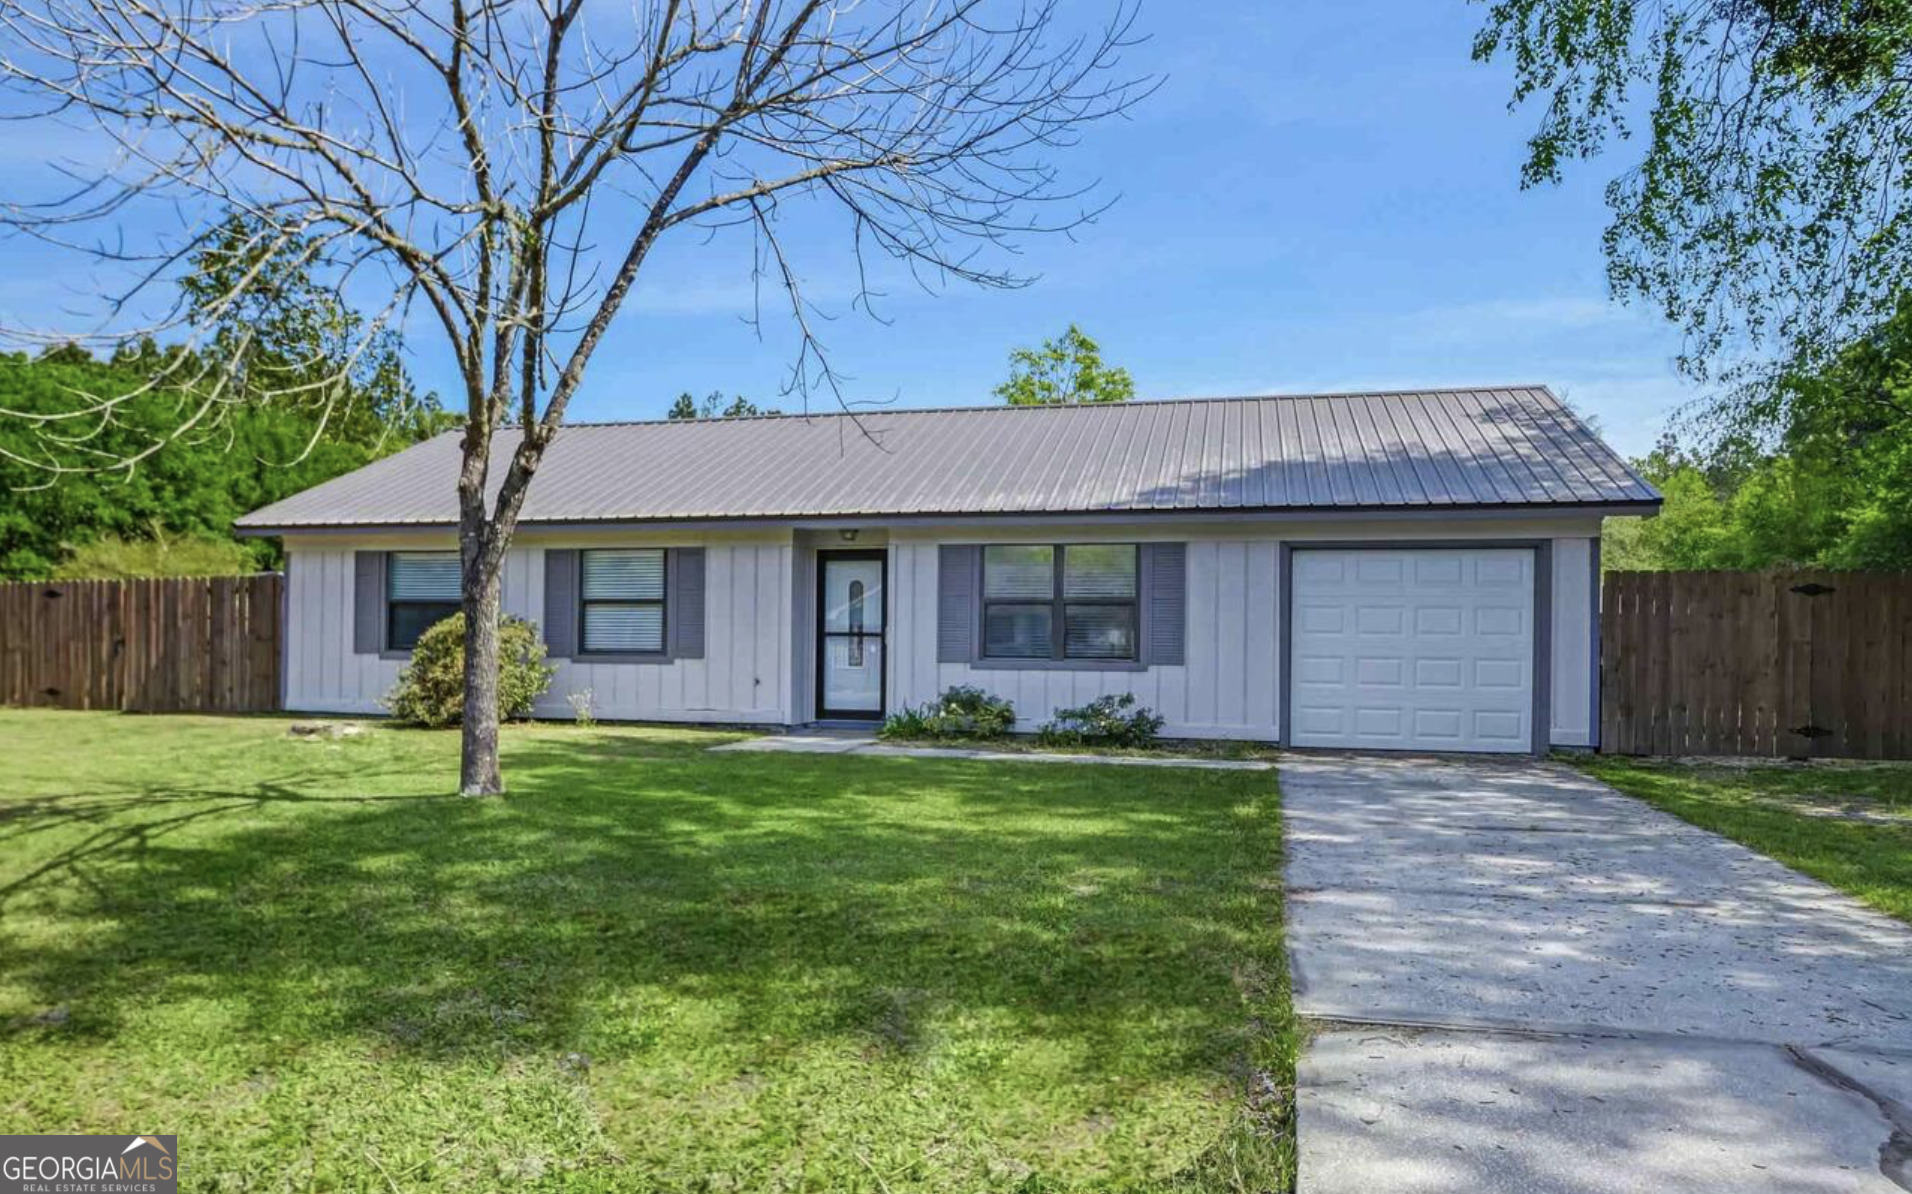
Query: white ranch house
(1407, 571)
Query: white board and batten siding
(1576, 612)
(743, 676)
(322, 672)
(759, 643)
(1231, 683)
(1228, 688)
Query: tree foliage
(1064, 371)
(121, 450)
(1730, 511)
(193, 487)
(1835, 491)
(114, 558)
(714, 407)
(1767, 212)
(270, 311)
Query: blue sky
(1320, 197)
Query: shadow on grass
(797, 899)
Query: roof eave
(1633, 507)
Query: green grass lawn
(648, 968)
(1848, 824)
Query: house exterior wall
(1230, 685)
(1575, 672)
(1217, 693)
(758, 665)
(744, 675)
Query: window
(622, 597)
(856, 623)
(1070, 602)
(421, 590)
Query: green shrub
(431, 689)
(1105, 721)
(113, 558)
(961, 712)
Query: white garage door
(1425, 649)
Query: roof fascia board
(848, 522)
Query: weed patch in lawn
(649, 967)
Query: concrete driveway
(1521, 980)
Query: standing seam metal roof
(1508, 446)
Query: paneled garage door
(1423, 649)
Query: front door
(850, 634)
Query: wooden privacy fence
(1786, 664)
(178, 645)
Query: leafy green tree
(714, 407)
(1743, 509)
(155, 444)
(1766, 205)
(1851, 424)
(1064, 371)
(1765, 214)
(180, 487)
(293, 341)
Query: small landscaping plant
(963, 711)
(431, 689)
(583, 708)
(1105, 721)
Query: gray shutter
(685, 609)
(368, 602)
(1165, 572)
(956, 569)
(561, 603)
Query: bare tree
(508, 167)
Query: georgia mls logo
(89, 1165)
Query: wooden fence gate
(176, 645)
(1786, 664)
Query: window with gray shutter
(686, 618)
(368, 602)
(621, 601)
(561, 603)
(1060, 602)
(955, 602)
(421, 590)
(1165, 567)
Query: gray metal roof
(1513, 446)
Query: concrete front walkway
(1520, 980)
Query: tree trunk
(483, 537)
(478, 770)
